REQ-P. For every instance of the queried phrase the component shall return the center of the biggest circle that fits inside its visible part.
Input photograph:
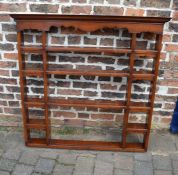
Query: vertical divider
(158, 47)
(22, 86)
(48, 132)
(129, 86)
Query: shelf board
(139, 107)
(106, 50)
(35, 102)
(143, 75)
(85, 145)
(135, 106)
(33, 49)
(137, 75)
(89, 103)
(36, 123)
(103, 73)
(137, 127)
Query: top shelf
(90, 18)
(90, 23)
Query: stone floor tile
(45, 166)
(68, 159)
(162, 172)
(175, 166)
(143, 156)
(13, 154)
(143, 168)
(63, 170)
(104, 168)
(7, 165)
(4, 173)
(174, 156)
(105, 156)
(122, 172)
(50, 154)
(1, 152)
(124, 162)
(13, 140)
(21, 169)
(162, 162)
(29, 157)
(162, 143)
(177, 144)
(84, 166)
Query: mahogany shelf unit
(89, 23)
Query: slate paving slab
(123, 162)
(7, 165)
(122, 172)
(45, 166)
(162, 162)
(4, 173)
(29, 157)
(162, 172)
(13, 154)
(143, 168)
(105, 156)
(68, 159)
(21, 169)
(162, 143)
(104, 168)
(143, 156)
(63, 170)
(1, 152)
(175, 167)
(84, 166)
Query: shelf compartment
(137, 128)
(107, 50)
(36, 124)
(86, 145)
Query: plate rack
(88, 23)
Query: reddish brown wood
(90, 22)
(22, 87)
(153, 88)
(106, 50)
(129, 86)
(48, 132)
(135, 25)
